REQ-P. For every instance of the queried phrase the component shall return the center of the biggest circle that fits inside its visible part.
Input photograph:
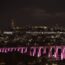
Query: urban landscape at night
(32, 45)
(32, 32)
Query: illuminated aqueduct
(49, 51)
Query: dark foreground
(16, 58)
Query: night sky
(32, 12)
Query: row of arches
(57, 52)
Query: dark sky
(33, 12)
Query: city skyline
(32, 12)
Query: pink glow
(63, 53)
(32, 51)
(39, 52)
(50, 52)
